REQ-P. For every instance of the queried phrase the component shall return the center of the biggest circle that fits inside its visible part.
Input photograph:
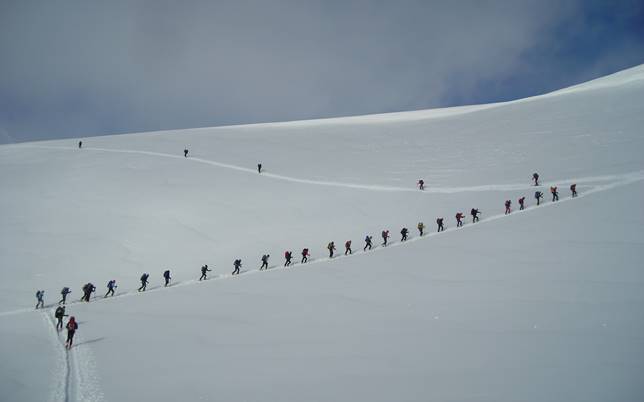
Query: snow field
(545, 304)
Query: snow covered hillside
(545, 304)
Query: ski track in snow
(79, 381)
(428, 190)
(625, 179)
(62, 370)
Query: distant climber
(347, 247)
(185, 153)
(475, 215)
(204, 272)
(166, 276)
(459, 219)
(535, 178)
(264, 262)
(80, 144)
(439, 223)
(421, 228)
(72, 326)
(237, 264)
(521, 203)
(86, 295)
(59, 314)
(508, 204)
(40, 294)
(385, 236)
(288, 255)
(538, 195)
(305, 255)
(64, 293)
(144, 282)
(403, 234)
(331, 248)
(111, 287)
(88, 289)
(555, 193)
(421, 184)
(367, 243)
(573, 190)
(259, 168)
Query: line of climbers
(89, 288)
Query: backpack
(305, 251)
(166, 274)
(60, 312)
(144, 277)
(39, 294)
(65, 290)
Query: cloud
(79, 68)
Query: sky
(72, 69)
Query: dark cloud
(78, 68)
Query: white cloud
(77, 68)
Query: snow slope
(545, 304)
